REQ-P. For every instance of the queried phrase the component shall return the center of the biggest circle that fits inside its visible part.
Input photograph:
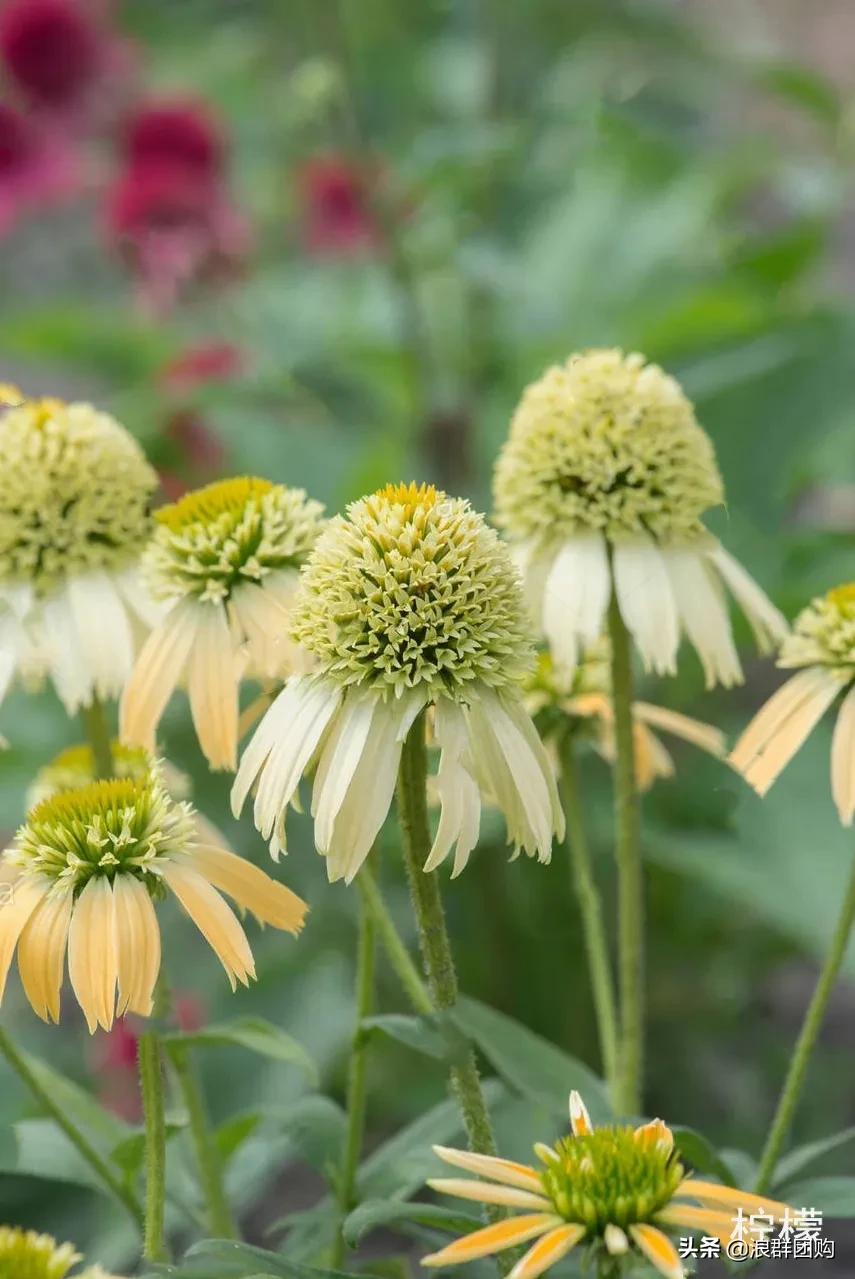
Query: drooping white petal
(647, 604)
(768, 623)
(263, 615)
(703, 612)
(103, 629)
(64, 656)
(135, 592)
(459, 797)
(575, 598)
(843, 760)
(340, 759)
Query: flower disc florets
(605, 443)
(237, 530)
(75, 490)
(824, 632)
(609, 1177)
(413, 589)
(107, 828)
(26, 1255)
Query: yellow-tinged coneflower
(225, 560)
(822, 647)
(27, 1255)
(83, 875)
(410, 602)
(584, 696)
(618, 1190)
(601, 486)
(75, 491)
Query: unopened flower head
(618, 1189)
(413, 590)
(226, 561)
(601, 486)
(822, 647)
(75, 490)
(27, 1255)
(84, 872)
(409, 602)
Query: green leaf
(420, 1033)
(130, 1153)
(386, 1212)
(244, 1262)
(805, 88)
(105, 1130)
(42, 1150)
(231, 1135)
(701, 1154)
(832, 1196)
(316, 1125)
(798, 1160)
(531, 1064)
(257, 1036)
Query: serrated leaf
(254, 1034)
(386, 1212)
(798, 1160)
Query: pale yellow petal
(138, 943)
(504, 1170)
(580, 1120)
(652, 761)
(156, 673)
(704, 736)
(615, 1240)
(773, 714)
(92, 956)
(717, 1224)
(212, 685)
(21, 895)
(843, 760)
(548, 1251)
(214, 919)
(790, 737)
(488, 1192)
(659, 1250)
(731, 1197)
(504, 1234)
(269, 901)
(656, 1133)
(41, 953)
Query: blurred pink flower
(55, 51)
(202, 452)
(180, 133)
(115, 1056)
(336, 206)
(35, 170)
(209, 362)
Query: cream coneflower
(27, 1255)
(601, 486)
(84, 873)
(618, 1189)
(225, 559)
(411, 601)
(75, 490)
(822, 646)
(584, 696)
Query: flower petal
(504, 1170)
(704, 736)
(548, 1251)
(487, 1192)
(781, 705)
(103, 629)
(138, 943)
(212, 684)
(717, 1224)
(580, 1120)
(843, 760)
(647, 603)
(702, 607)
(731, 1196)
(157, 671)
(459, 797)
(767, 622)
(504, 1234)
(790, 736)
(92, 953)
(41, 953)
(214, 919)
(658, 1249)
(269, 901)
(575, 598)
(22, 894)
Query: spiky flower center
(75, 490)
(609, 1177)
(106, 828)
(605, 443)
(824, 633)
(412, 588)
(26, 1255)
(75, 766)
(232, 531)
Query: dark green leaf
(805, 88)
(245, 1261)
(316, 1125)
(231, 1135)
(130, 1153)
(419, 1033)
(701, 1154)
(798, 1160)
(257, 1036)
(386, 1212)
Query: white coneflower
(822, 646)
(75, 489)
(225, 559)
(584, 696)
(409, 602)
(601, 485)
(84, 873)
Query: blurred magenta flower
(34, 170)
(179, 133)
(114, 1061)
(57, 52)
(336, 206)
(208, 362)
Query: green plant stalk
(357, 1080)
(98, 735)
(395, 948)
(800, 1060)
(590, 907)
(151, 1086)
(110, 1177)
(221, 1221)
(630, 875)
(433, 935)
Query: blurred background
(329, 243)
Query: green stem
(433, 935)
(396, 950)
(220, 1219)
(590, 907)
(803, 1050)
(111, 1179)
(630, 875)
(151, 1085)
(357, 1079)
(98, 734)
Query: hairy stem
(151, 1086)
(98, 735)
